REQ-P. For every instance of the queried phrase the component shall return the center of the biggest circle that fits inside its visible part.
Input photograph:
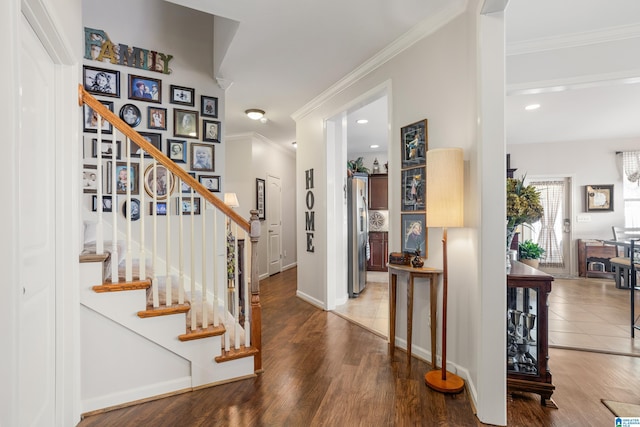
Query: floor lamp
(445, 194)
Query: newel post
(256, 309)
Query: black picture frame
(184, 187)
(210, 182)
(130, 114)
(134, 210)
(156, 118)
(107, 146)
(142, 89)
(185, 123)
(154, 138)
(598, 198)
(211, 130)
(415, 143)
(177, 150)
(208, 106)
(161, 208)
(414, 232)
(90, 119)
(182, 95)
(185, 204)
(260, 198)
(107, 203)
(100, 81)
(414, 186)
(90, 179)
(202, 157)
(121, 185)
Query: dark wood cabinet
(378, 192)
(379, 248)
(593, 258)
(527, 332)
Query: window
(631, 188)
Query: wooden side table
(423, 272)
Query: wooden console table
(424, 272)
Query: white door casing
(36, 228)
(274, 223)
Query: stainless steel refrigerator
(358, 231)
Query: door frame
(51, 34)
(270, 177)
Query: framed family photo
(106, 149)
(100, 81)
(154, 138)
(599, 198)
(414, 233)
(182, 95)
(211, 131)
(202, 157)
(177, 150)
(145, 89)
(210, 182)
(91, 119)
(107, 203)
(130, 114)
(90, 179)
(208, 106)
(157, 118)
(413, 189)
(126, 177)
(161, 208)
(184, 187)
(187, 207)
(158, 181)
(260, 198)
(133, 211)
(414, 144)
(185, 123)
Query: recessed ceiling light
(362, 121)
(532, 107)
(374, 146)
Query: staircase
(171, 302)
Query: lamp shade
(445, 187)
(231, 200)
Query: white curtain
(551, 197)
(631, 187)
(631, 166)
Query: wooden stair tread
(199, 333)
(164, 311)
(123, 286)
(234, 354)
(93, 257)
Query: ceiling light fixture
(532, 107)
(362, 121)
(295, 144)
(254, 113)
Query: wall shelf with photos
(414, 146)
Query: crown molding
(255, 135)
(421, 30)
(573, 40)
(572, 83)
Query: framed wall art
(157, 118)
(106, 149)
(89, 179)
(599, 198)
(106, 203)
(177, 150)
(154, 138)
(133, 211)
(413, 189)
(100, 81)
(185, 123)
(145, 89)
(182, 95)
(414, 144)
(211, 131)
(209, 106)
(130, 114)
(90, 121)
(202, 157)
(414, 233)
(210, 182)
(260, 198)
(126, 177)
(161, 208)
(158, 181)
(187, 206)
(184, 187)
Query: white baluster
(130, 182)
(205, 309)
(114, 219)
(236, 290)
(168, 250)
(99, 225)
(154, 249)
(142, 269)
(194, 323)
(247, 275)
(226, 287)
(216, 321)
(181, 245)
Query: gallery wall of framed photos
(414, 146)
(180, 119)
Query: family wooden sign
(98, 47)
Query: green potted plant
(356, 166)
(530, 253)
(523, 206)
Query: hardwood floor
(322, 370)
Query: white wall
(434, 79)
(252, 156)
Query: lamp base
(452, 383)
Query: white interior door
(37, 267)
(274, 221)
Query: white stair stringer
(122, 307)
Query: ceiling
(573, 57)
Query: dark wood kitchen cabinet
(378, 192)
(379, 247)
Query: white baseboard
(311, 300)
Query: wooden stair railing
(252, 228)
